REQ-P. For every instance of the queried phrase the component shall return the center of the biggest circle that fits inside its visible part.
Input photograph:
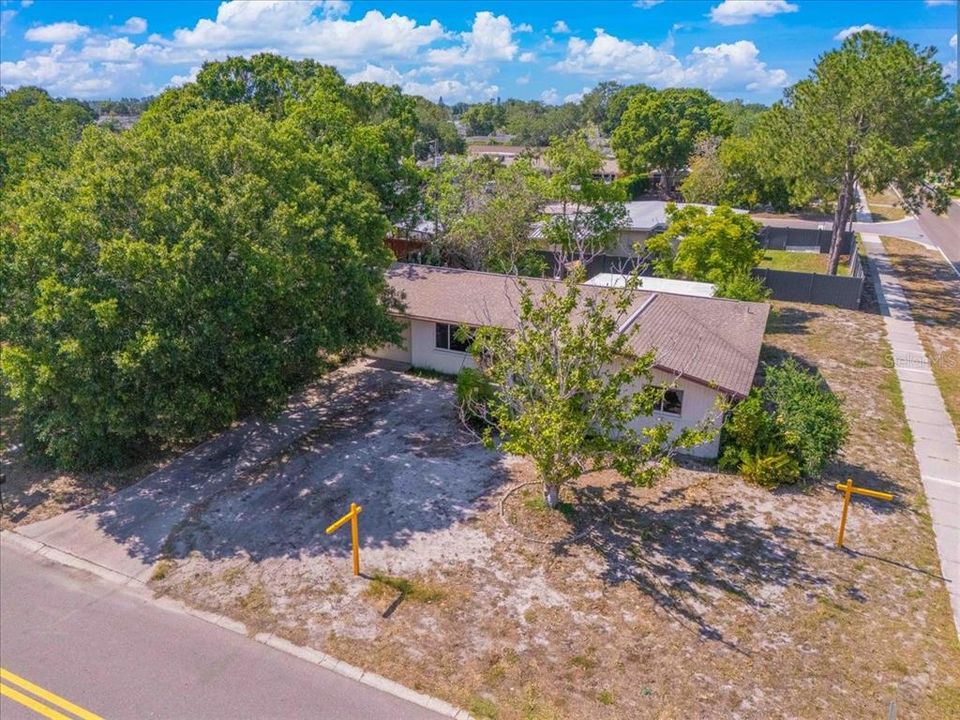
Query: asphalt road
(943, 231)
(117, 655)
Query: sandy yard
(700, 597)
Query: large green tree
(660, 131)
(485, 213)
(586, 214)
(875, 112)
(719, 247)
(567, 388)
(436, 133)
(37, 132)
(617, 103)
(484, 118)
(177, 276)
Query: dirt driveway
(391, 443)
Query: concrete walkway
(934, 437)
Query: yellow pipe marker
(354, 533)
(848, 489)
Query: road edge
(315, 657)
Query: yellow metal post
(848, 491)
(846, 505)
(355, 510)
(355, 533)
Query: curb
(315, 657)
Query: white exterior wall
(699, 402)
(398, 353)
(426, 354)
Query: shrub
(810, 416)
(790, 428)
(769, 467)
(743, 286)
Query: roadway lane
(943, 231)
(116, 654)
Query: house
(656, 284)
(507, 154)
(707, 348)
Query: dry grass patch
(933, 290)
(700, 597)
(34, 491)
(885, 206)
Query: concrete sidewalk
(934, 437)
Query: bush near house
(788, 429)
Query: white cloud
(560, 27)
(646, 4)
(490, 39)
(523, 80)
(293, 29)
(854, 29)
(6, 17)
(935, 3)
(26, 3)
(447, 88)
(133, 26)
(527, 57)
(576, 97)
(523, 28)
(741, 12)
(728, 66)
(115, 50)
(178, 80)
(59, 32)
(953, 41)
(550, 96)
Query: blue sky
(470, 51)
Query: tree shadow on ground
(388, 441)
(685, 555)
(791, 320)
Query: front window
(671, 403)
(447, 339)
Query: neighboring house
(656, 284)
(707, 348)
(645, 218)
(507, 154)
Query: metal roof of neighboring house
(711, 341)
(644, 214)
(657, 284)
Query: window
(447, 338)
(671, 402)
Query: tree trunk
(841, 217)
(665, 177)
(551, 494)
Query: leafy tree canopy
(37, 132)
(180, 275)
(719, 247)
(435, 131)
(485, 212)
(483, 119)
(660, 130)
(875, 112)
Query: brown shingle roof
(709, 340)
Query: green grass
(801, 262)
(413, 590)
(431, 374)
(540, 504)
(483, 709)
(605, 697)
